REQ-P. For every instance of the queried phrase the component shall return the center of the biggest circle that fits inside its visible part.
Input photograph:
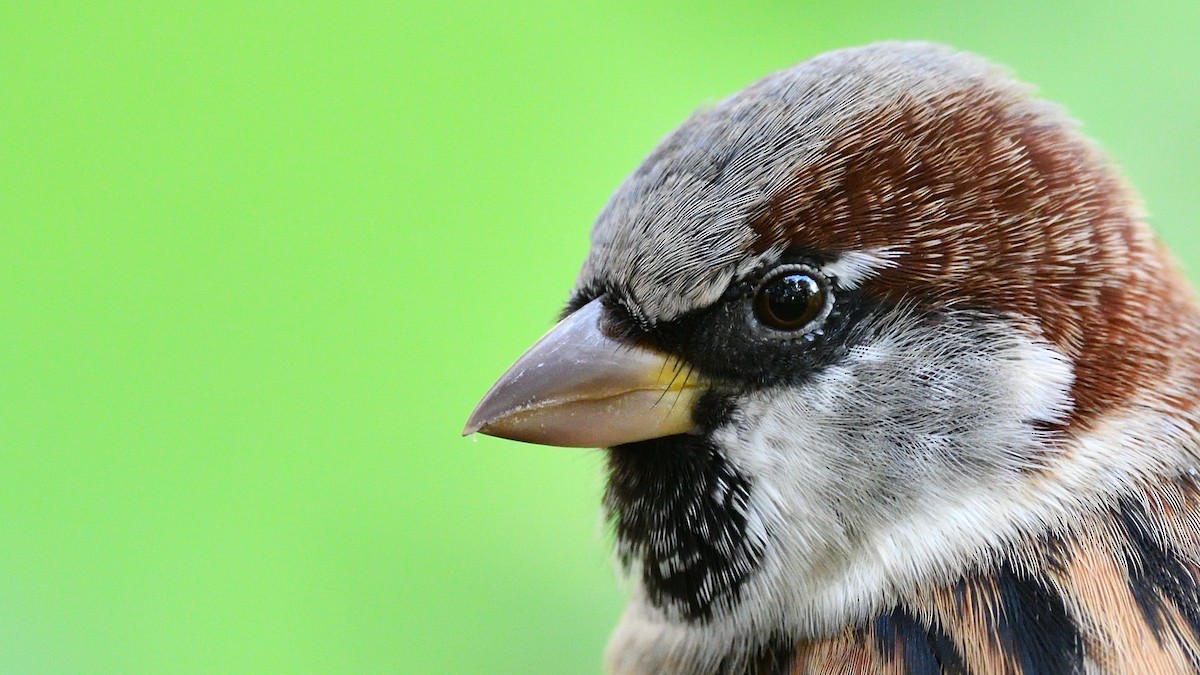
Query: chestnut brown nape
(988, 200)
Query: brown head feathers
(964, 189)
(981, 197)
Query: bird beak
(577, 387)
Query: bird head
(860, 328)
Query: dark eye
(790, 299)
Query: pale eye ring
(792, 298)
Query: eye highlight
(791, 298)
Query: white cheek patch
(853, 268)
(890, 466)
(915, 457)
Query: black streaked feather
(1157, 574)
(924, 650)
(1031, 622)
(772, 658)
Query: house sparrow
(893, 378)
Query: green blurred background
(259, 260)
